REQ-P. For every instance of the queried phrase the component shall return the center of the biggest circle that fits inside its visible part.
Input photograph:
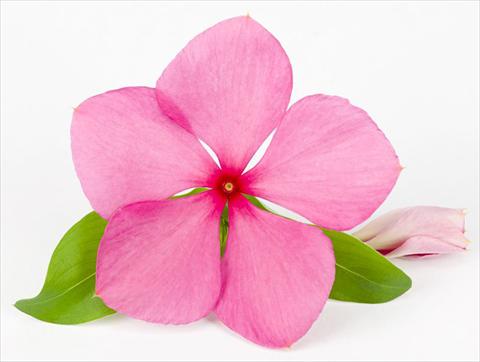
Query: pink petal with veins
(328, 161)
(230, 86)
(160, 260)
(276, 276)
(125, 150)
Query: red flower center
(228, 184)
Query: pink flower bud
(416, 231)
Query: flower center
(228, 184)
(228, 187)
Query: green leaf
(256, 202)
(223, 230)
(190, 193)
(362, 274)
(68, 294)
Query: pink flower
(416, 231)
(159, 259)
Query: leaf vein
(368, 280)
(61, 294)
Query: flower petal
(160, 260)
(328, 161)
(125, 150)
(423, 246)
(416, 230)
(231, 86)
(376, 226)
(276, 276)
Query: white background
(413, 66)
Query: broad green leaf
(362, 274)
(68, 294)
